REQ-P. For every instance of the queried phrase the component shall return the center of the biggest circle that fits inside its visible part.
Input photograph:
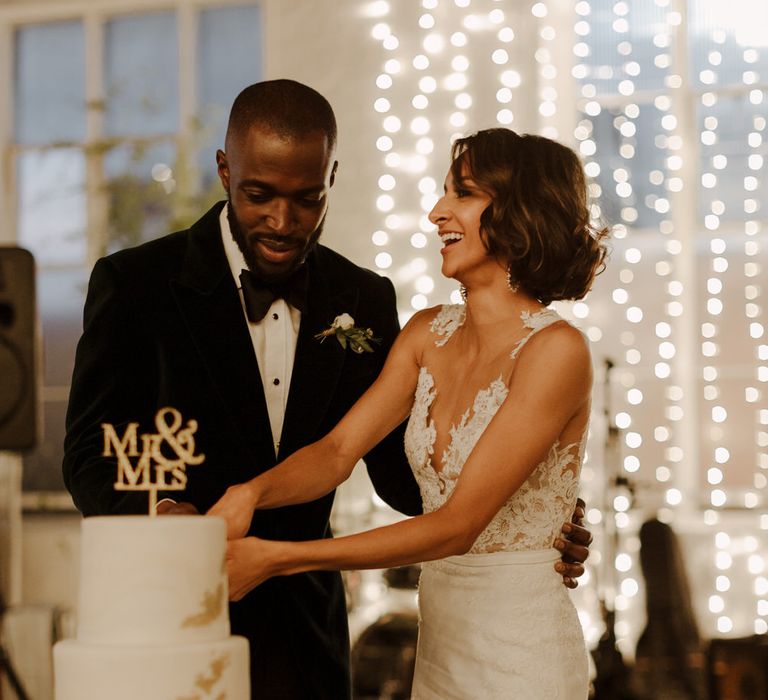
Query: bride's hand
(236, 506)
(247, 565)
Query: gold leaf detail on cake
(213, 604)
(206, 683)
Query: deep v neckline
(531, 516)
(464, 421)
(447, 321)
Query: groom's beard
(268, 271)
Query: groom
(220, 322)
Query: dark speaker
(738, 668)
(19, 416)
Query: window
(672, 119)
(116, 120)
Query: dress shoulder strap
(536, 322)
(448, 319)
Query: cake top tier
(153, 580)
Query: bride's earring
(511, 284)
(463, 292)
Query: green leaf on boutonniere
(357, 339)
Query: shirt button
(275, 316)
(276, 381)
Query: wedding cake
(153, 620)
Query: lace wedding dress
(496, 622)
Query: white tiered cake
(153, 619)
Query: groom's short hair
(285, 107)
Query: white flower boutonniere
(343, 327)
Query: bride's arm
(318, 468)
(550, 386)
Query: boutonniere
(343, 327)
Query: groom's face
(278, 196)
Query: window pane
(60, 299)
(223, 74)
(733, 153)
(724, 278)
(631, 150)
(141, 188)
(142, 75)
(51, 200)
(728, 42)
(624, 46)
(50, 83)
(636, 348)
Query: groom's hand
(574, 547)
(169, 507)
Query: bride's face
(457, 217)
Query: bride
(498, 394)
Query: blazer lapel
(208, 301)
(317, 366)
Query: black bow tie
(259, 295)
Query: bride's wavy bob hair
(538, 223)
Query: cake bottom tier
(205, 671)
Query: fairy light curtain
(666, 103)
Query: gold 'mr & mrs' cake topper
(155, 470)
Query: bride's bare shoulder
(421, 321)
(421, 326)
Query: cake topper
(156, 470)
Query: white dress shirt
(274, 338)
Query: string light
(650, 133)
(436, 75)
(676, 202)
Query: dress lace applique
(448, 319)
(421, 439)
(541, 319)
(532, 517)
